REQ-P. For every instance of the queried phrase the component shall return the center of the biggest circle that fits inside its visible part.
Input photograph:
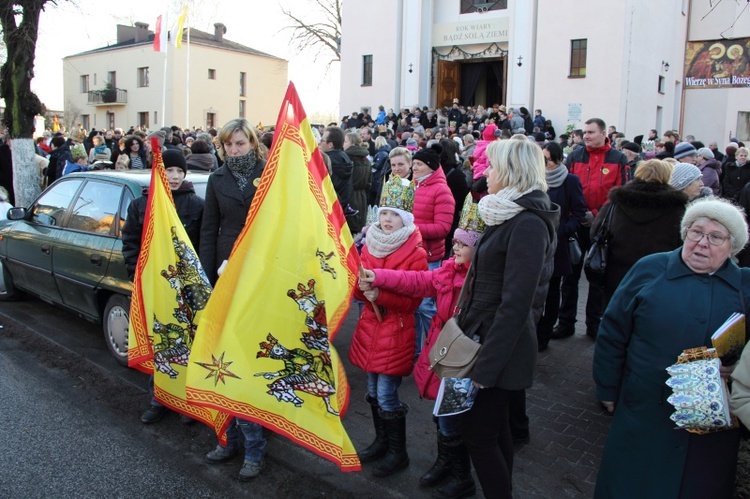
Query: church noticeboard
(471, 32)
(718, 64)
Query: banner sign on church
(470, 32)
(717, 64)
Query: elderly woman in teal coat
(669, 302)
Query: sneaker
(221, 454)
(250, 470)
(154, 414)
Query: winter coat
(711, 170)
(646, 220)
(97, 154)
(456, 181)
(599, 169)
(513, 263)
(444, 284)
(433, 213)
(740, 398)
(735, 178)
(224, 217)
(361, 182)
(378, 172)
(189, 208)
(660, 309)
(388, 347)
(481, 161)
(202, 162)
(54, 157)
(380, 120)
(569, 197)
(341, 175)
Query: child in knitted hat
(78, 161)
(383, 341)
(443, 283)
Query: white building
(619, 60)
(123, 84)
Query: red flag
(160, 37)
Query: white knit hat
(722, 211)
(683, 175)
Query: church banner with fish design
(170, 290)
(265, 352)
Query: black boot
(379, 446)
(396, 459)
(441, 469)
(461, 483)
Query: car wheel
(115, 327)
(8, 292)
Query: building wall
(265, 87)
(712, 114)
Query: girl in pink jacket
(444, 284)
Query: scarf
(500, 207)
(242, 168)
(380, 244)
(422, 178)
(556, 176)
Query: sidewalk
(568, 427)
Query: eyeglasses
(713, 238)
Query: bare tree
(20, 24)
(324, 36)
(70, 115)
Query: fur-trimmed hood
(645, 201)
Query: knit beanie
(683, 175)
(173, 157)
(721, 211)
(489, 132)
(683, 149)
(430, 157)
(706, 153)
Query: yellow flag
(170, 290)
(265, 352)
(177, 33)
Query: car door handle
(96, 260)
(46, 248)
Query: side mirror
(16, 213)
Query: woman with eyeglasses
(644, 218)
(669, 302)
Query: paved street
(567, 426)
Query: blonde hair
(98, 140)
(518, 163)
(354, 138)
(400, 151)
(671, 161)
(239, 125)
(742, 149)
(124, 160)
(654, 170)
(380, 142)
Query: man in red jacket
(600, 167)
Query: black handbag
(574, 251)
(595, 264)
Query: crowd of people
(494, 203)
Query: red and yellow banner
(170, 290)
(264, 352)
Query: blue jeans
(384, 388)
(255, 442)
(424, 315)
(450, 426)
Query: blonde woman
(513, 262)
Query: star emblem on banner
(218, 369)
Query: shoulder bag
(574, 247)
(595, 264)
(454, 354)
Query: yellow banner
(170, 290)
(264, 352)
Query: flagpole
(164, 89)
(187, 77)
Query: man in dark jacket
(600, 168)
(332, 143)
(190, 210)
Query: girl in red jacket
(444, 284)
(383, 341)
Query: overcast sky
(74, 26)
